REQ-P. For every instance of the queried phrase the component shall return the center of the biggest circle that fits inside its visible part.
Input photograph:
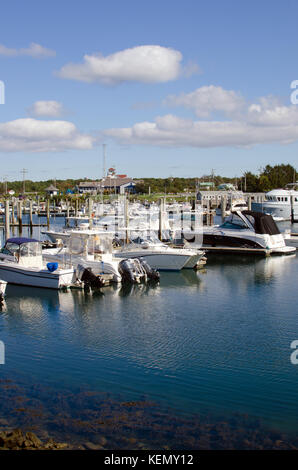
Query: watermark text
(2, 92)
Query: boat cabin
(259, 222)
(90, 244)
(21, 250)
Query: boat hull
(24, 276)
(159, 261)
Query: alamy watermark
(2, 353)
(2, 92)
(294, 355)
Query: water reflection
(246, 270)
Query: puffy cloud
(267, 121)
(46, 108)
(263, 126)
(270, 112)
(34, 135)
(34, 50)
(146, 64)
(208, 99)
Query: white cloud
(146, 64)
(46, 108)
(266, 121)
(34, 50)
(208, 99)
(276, 125)
(35, 135)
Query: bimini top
(21, 240)
(263, 223)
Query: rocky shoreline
(41, 418)
(17, 440)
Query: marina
(149, 231)
(182, 362)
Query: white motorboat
(278, 203)
(247, 229)
(160, 256)
(88, 249)
(21, 263)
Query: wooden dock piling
(223, 206)
(7, 226)
(30, 214)
(20, 215)
(48, 213)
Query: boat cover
(263, 223)
(21, 240)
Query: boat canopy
(21, 240)
(263, 223)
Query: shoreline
(92, 421)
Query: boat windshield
(234, 222)
(24, 249)
(10, 248)
(30, 249)
(101, 244)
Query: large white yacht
(247, 229)
(278, 203)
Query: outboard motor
(128, 271)
(90, 280)
(141, 272)
(152, 274)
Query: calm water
(216, 341)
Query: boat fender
(52, 267)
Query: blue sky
(172, 88)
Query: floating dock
(237, 250)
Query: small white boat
(160, 256)
(88, 249)
(21, 263)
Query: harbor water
(214, 343)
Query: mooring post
(7, 227)
(223, 207)
(20, 221)
(90, 212)
(126, 217)
(161, 216)
(208, 211)
(292, 209)
(48, 213)
(76, 207)
(13, 213)
(249, 203)
(30, 215)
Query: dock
(237, 250)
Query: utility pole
(104, 161)
(23, 172)
(5, 184)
